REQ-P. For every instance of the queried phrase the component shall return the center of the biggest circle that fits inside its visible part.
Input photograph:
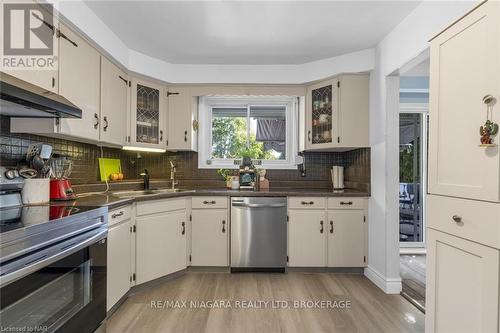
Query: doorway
(413, 128)
(412, 143)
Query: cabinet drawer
(469, 219)
(209, 202)
(346, 203)
(306, 203)
(118, 215)
(160, 206)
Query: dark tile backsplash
(86, 170)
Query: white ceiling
(420, 69)
(250, 32)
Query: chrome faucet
(172, 175)
(145, 178)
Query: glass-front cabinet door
(147, 115)
(322, 115)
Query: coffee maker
(247, 174)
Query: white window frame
(206, 103)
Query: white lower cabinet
(346, 238)
(160, 245)
(209, 237)
(306, 238)
(319, 236)
(462, 291)
(119, 255)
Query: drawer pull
(457, 219)
(209, 202)
(115, 215)
(331, 227)
(348, 203)
(321, 228)
(307, 203)
(223, 226)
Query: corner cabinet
(161, 239)
(147, 115)
(182, 119)
(337, 113)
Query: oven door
(60, 289)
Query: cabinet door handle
(307, 203)
(123, 79)
(96, 120)
(115, 215)
(457, 219)
(348, 203)
(106, 124)
(185, 136)
(183, 224)
(59, 34)
(209, 202)
(309, 136)
(331, 227)
(223, 226)
(53, 82)
(161, 135)
(321, 229)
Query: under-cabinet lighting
(151, 150)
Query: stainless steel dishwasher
(258, 234)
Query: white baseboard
(389, 286)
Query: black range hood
(23, 100)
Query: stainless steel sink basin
(141, 193)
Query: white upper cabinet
(465, 67)
(147, 122)
(182, 119)
(46, 79)
(114, 103)
(337, 113)
(79, 82)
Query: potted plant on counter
(226, 174)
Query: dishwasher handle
(249, 205)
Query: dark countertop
(112, 201)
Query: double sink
(142, 193)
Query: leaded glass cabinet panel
(147, 128)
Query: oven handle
(34, 266)
(248, 205)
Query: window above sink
(264, 128)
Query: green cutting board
(107, 166)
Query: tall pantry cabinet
(463, 203)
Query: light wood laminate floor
(371, 310)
